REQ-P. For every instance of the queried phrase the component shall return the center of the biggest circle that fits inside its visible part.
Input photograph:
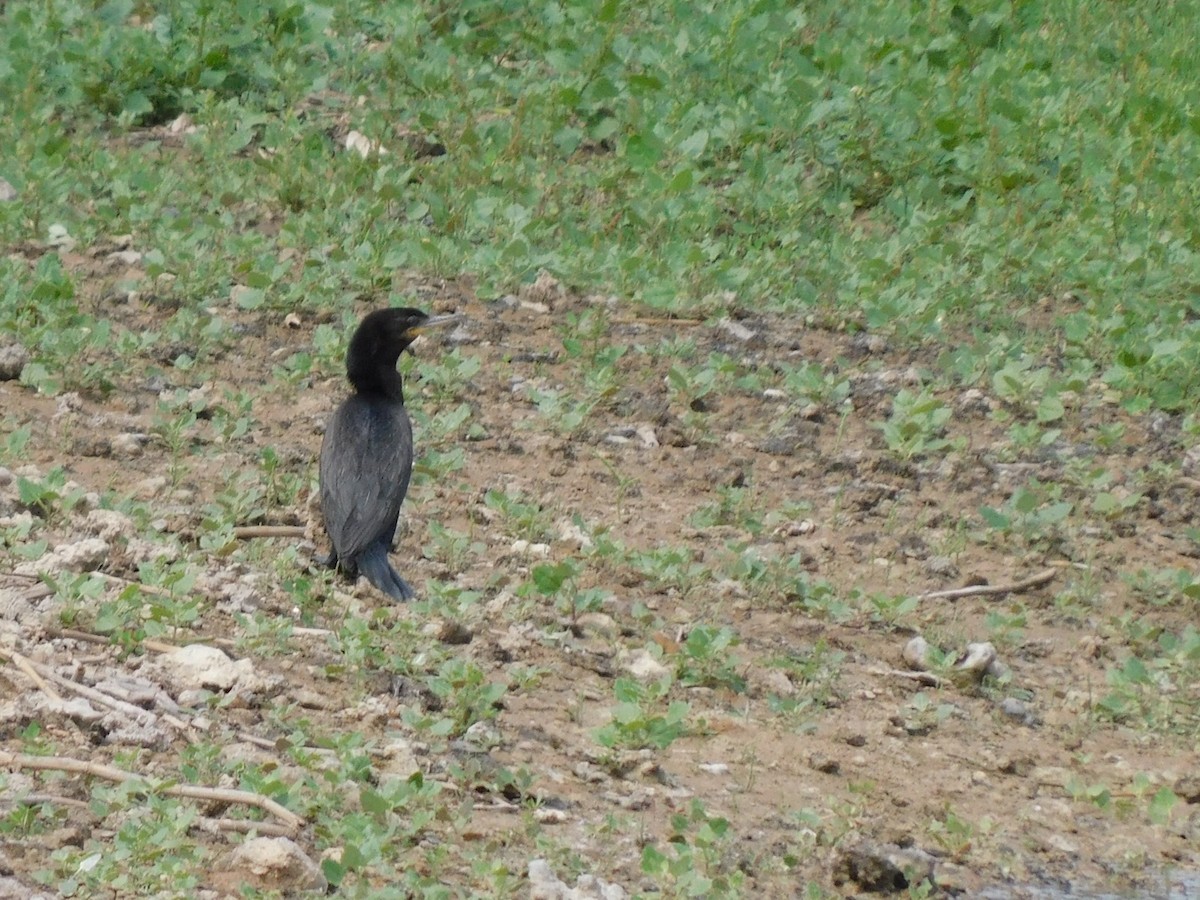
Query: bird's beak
(435, 322)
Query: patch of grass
(916, 425)
(636, 722)
(696, 860)
(1153, 688)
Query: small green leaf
(681, 182)
(333, 871)
(249, 297)
(373, 802)
(994, 518)
(695, 144)
(1161, 804)
(643, 151)
(1050, 409)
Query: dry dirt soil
(831, 760)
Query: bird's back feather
(366, 463)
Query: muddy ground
(816, 743)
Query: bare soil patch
(825, 749)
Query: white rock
(13, 358)
(108, 524)
(59, 237)
(599, 624)
(398, 758)
(571, 533)
(647, 434)
(640, 664)
(363, 145)
(737, 330)
(525, 548)
(200, 667)
(916, 653)
(978, 658)
(182, 124)
(276, 864)
(545, 885)
(76, 708)
(483, 735)
(80, 556)
(128, 445)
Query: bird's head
(397, 328)
(380, 339)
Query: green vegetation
(938, 174)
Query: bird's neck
(380, 379)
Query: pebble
(128, 445)
(1016, 709)
(86, 555)
(13, 358)
(525, 548)
(200, 667)
(641, 665)
(545, 885)
(275, 864)
(738, 331)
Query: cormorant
(367, 451)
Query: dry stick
(143, 716)
(140, 715)
(264, 743)
(927, 678)
(192, 791)
(311, 632)
(245, 532)
(76, 635)
(89, 637)
(657, 321)
(37, 592)
(163, 646)
(23, 664)
(245, 826)
(137, 712)
(991, 589)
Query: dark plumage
(367, 452)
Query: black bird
(367, 452)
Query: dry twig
(25, 666)
(142, 716)
(978, 590)
(926, 678)
(290, 820)
(245, 532)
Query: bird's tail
(373, 563)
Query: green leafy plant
(1034, 513)
(916, 425)
(558, 581)
(695, 862)
(635, 723)
(704, 659)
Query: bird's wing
(366, 462)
